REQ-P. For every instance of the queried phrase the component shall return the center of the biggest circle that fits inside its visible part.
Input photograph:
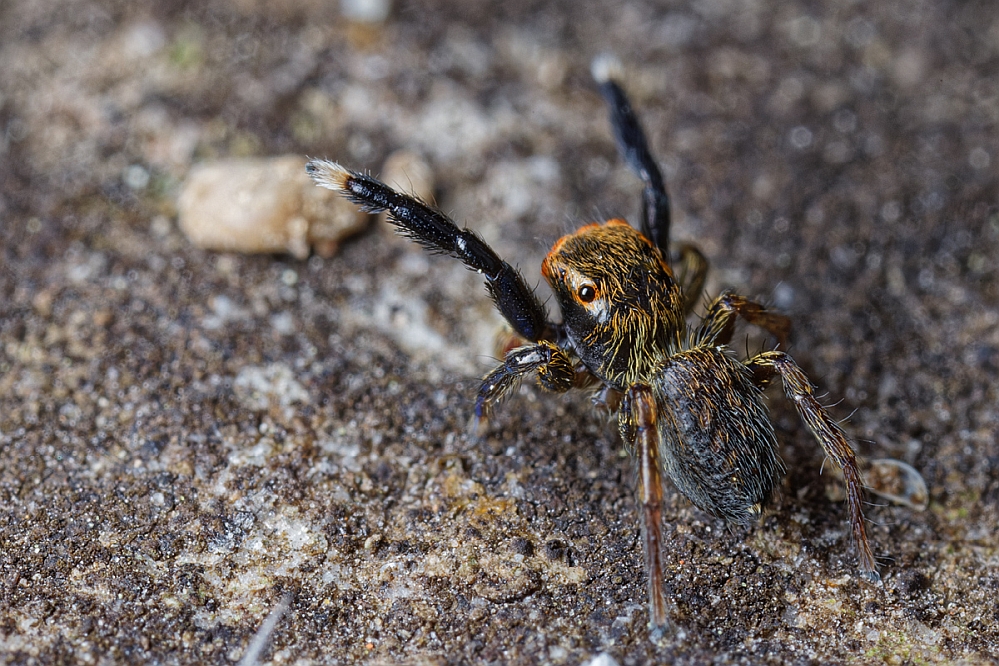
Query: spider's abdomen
(715, 437)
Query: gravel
(206, 456)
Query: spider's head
(620, 304)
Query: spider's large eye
(586, 293)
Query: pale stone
(263, 205)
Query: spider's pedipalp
(435, 231)
(552, 365)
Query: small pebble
(263, 205)
(602, 659)
(898, 482)
(365, 11)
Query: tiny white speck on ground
(256, 387)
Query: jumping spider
(687, 408)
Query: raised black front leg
(435, 231)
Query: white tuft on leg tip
(606, 67)
(328, 174)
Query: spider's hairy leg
(719, 322)
(634, 148)
(637, 421)
(607, 400)
(799, 391)
(553, 366)
(516, 301)
(691, 268)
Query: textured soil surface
(189, 439)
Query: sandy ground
(189, 440)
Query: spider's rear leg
(553, 366)
(435, 231)
(719, 322)
(798, 389)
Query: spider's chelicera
(686, 406)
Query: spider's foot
(328, 174)
(478, 426)
(663, 634)
(606, 67)
(872, 577)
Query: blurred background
(189, 435)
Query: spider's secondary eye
(587, 293)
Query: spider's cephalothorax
(687, 408)
(621, 307)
